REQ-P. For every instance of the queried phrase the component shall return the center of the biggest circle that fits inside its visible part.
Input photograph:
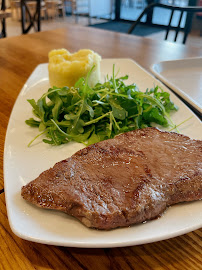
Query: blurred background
(95, 13)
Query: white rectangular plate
(23, 164)
(184, 77)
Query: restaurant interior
(104, 15)
(101, 104)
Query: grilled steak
(122, 181)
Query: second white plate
(184, 77)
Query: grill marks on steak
(122, 181)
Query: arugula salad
(89, 115)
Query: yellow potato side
(65, 68)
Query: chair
(15, 9)
(55, 8)
(32, 7)
(29, 17)
(4, 14)
(189, 10)
(81, 7)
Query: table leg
(117, 10)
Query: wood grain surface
(182, 252)
(18, 58)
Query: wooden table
(18, 57)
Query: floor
(13, 27)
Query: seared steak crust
(122, 181)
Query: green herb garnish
(89, 115)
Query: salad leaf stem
(115, 122)
(176, 126)
(64, 133)
(29, 144)
(97, 119)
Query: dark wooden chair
(186, 29)
(30, 15)
(4, 14)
